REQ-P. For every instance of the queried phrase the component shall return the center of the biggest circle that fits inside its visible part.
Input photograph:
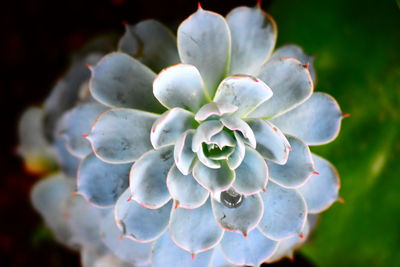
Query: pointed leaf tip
(346, 115)
(199, 5)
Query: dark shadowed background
(357, 49)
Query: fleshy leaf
(140, 223)
(214, 180)
(194, 230)
(77, 123)
(185, 190)
(148, 177)
(236, 124)
(204, 132)
(170, 126)
(223, 139)
(48, 197)
(124, 248)
(321, 190)
(143, 40)
(68, 163)
(284, 218)
(180, 86)
(214, 109)
(237, 156)
(245, 92)
(291, 85)
(219, 259)
(242, 218)
(298, 168)
(204, 41)
(253, 39)
(252, 173)
(271, 142)
(122, 135)
(297, 52)
(316, 122)
(183, 154)
(119, 80)
(167, 253)
(251, 250)
(102, 183)
(207, 161)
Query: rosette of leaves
(206, 162)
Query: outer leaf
(167, 253)
(290, 82)
(68, 163)
(148, 177)
(316, 122)
(297, 169)
(122, 135)
(242, 218)
(125, 249)
(194, 230)
(253, 39)
(214, 180)
(219, 259)
(251, 250)
(143, 40)
(140, 223)
(119, 80)
(185, 190)
(204, 41)
(285, 213)
(252, 173)
(167, 129)
(320, 191)
(271, 143)
(180, 86)
(102, 183)
(245, 92)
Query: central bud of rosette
(214, 136)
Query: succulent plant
(195, 149)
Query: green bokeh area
(357, 49)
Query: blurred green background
(357, 53)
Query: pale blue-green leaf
(102, 183)
(317, 121)
(207, 161)
(245, 92)
(143, 40)
(83, 221)
(252, 250)
(183, 154)
(167, 129)
(204, 41)
(286, 247)
(297, 52)
(298, 168)
(77, 123)
(119, 80)
(223, 139)
(140, 223)
(148, 177)
(237, 156)
(253, 38)
(285, 212)
(321, 190)
(291, 85)
(241, 219)
(122, 135)
(252, 173)
(214, 110)
(180, 86)
(219, 259)
(236, 124)
(68, 163)
(166, 253)
(194, 230)
(185, 190)
(271, 142)
(48, 197)
(124, 248)
(214, 180)
(204, 132)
